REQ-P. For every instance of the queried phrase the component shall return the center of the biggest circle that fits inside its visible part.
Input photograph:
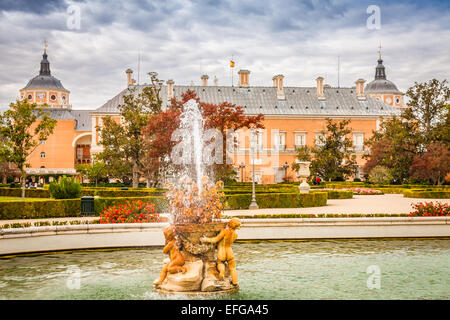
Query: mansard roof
(299, 101)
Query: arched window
(42, 155)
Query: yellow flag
(231, 64)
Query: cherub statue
(176, 259)
(225, 238)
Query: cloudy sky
(183, 39)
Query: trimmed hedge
(29, 193)
(111, 193)
(426, 194)
(276, 200)
(339, 194)
(40, 209)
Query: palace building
(293, 117)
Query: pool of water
(406, 269)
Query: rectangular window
(300, 140)
(79, 153)
(358, 141)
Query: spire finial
(379, 52)
(45, 46)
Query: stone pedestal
(304, 187)
(200, 261)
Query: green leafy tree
(380, 175)
(428, 105)
(93, 172)
(124, 143)
(331, 157)
(394, 147)
(22, 127)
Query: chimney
(130, 80)
(216, 81)
(360, 89)
(320, 94)
(204, 80)
(243, 78)
(278, 83)
(170, 89)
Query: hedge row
(111, 193)
(426, 194)
(272, 190)
(339, 194)
(40, 209)
(51, 208)
(276, 200)
(101, 192)
(29, 193)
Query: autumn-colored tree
(22, 128)
(433, 165)
(224, 116)
(8, 169)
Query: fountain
(196, 231)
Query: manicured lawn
(19, 199)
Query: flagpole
(231, 70)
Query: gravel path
(388, 203)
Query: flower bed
(130, 212)
(430, 209)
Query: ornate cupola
(45, 89)
(383, 89)
(380, 73)
(45, 65)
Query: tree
(380, 175)
(224, 116)
(8, 169)
(331, 157)
(22, 128)
(404, 139)
(394, 147)
(433, 165)
(93, 172)
(124, 143)
(428, 106)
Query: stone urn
(303, 173)
(189, 236)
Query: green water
(409, 269)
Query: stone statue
(176, 263)
(225, 239)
